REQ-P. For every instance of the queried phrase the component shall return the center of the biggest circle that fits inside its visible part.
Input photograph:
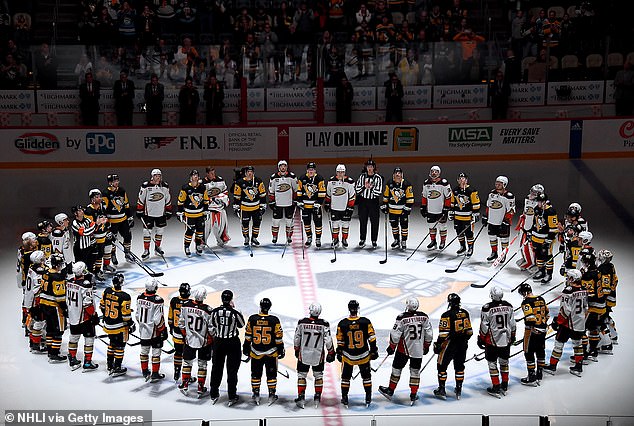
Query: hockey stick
(380, 364)
(154, 240)
(427, 363)
(184, 222)
(452, 270)
(448, 244)
(142, 264)
(170, 351)
(423, 240)
(536, 272)
(502, 255)
(248, 245)
(384, 261)
(522, 350)
(475, 285)
(334, 248)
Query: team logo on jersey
(283, 187)
(213, 191)
(339, 190)
(156, 196)
(529, 210)
(118, 203)
(196, 199)
(251, 193)
(462, 200)
(311, 189)
(433, 194)
(397, 194)
(495, 204)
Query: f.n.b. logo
(100, 143)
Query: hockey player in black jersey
(536, 317)
(117, 323)
(311, 193)
(249, 203)
(52, 298)
(119, 215)
(173, 316)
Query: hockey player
(369, 195)
(226, 322)
(340, 198)
(356, 345)
(31, 303)
(96, 212)
(249, 203)
(536, 318)
(282, 193)
(84, 245)
(312, 336)
(410, 339)
(28, 246)
(569, 236)
(591, 281)
(52, 297)
(173, 315)
(264, 345)
(435, 205)
(218, 202)
(44, 243)
(152, 330)
(609, 282)
(154, 208)
(398, 199)
(543, 234)
(117, 323)
(193, 206)
(119, 215)
(570, 323)
(525, 225)
(497, 334)
(82, 317)
(454, 332)
(499, 215)
(311, 193)
(196, 328)
(465, 211)
(60, 237)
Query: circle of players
(58, 283)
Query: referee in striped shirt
(369, 189)
(226, 321)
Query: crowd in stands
(283, 41)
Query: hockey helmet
(93, 193)
(586, 259)
(79, 269)
(248, 169)
(453, 299)
(184, 290)
(574, 209)
(77, 208)
(370, 162)
(573, 275)
(156, 172)
(397, 170)
(536, 189)
(28, 236)
(353, 306)
(151, 285)
(311, 165)
(411, 304)
(541, 197)
(194, 172)
(117, 281)
(463, 175)
(496, 293)
(226, 296)
(265, 305)
(340, 168)
(314, 309)
(199, 294)
(43, 225)
(524, 289)
(503, 180)
(57, 260)
(37, 257)
(282, 163)
(60, 218)
(604, 256)
(434, 172)
(585, 237)
(112, 177)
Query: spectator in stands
(187, 55)
(363, 14)
(154, 95)
(567, 34)
(82, 68)
(166, 15)
(22, 27)
(282, 21)
(186, 17)
(226, 70)
(517, 28)
(380, 10)
(147, 26)
(89, 94)
(469, 41)
(46, 67)
(251, 51)
(393, 99)
(499, 92)
(304, 24)
(531, 38)
(624, 90)
(214, 96)
(334, 67)
(268, 43)
(336, 15)
(404, 35)
(12, 74)
(409, 69)
(104, 27)
(427, 74)
(552, 30)
(512, 68)
(343, 100)
(188, 100)
(243, 25)
(176, 72)
(104, 72)
(126, 24)
(123, 93)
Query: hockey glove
(330, 357)
(383, 208)
(281, 353)
(272, 204)
(131, 222)
(236, 209)
(139, 214)
(327, 207)
(300, 204)
(131, 327)
(316, 207)
(109, 237)
(406, 211)
(246, 348)
(348, 213)
(262, 209)
(164, 334)
(390, 350)
(476, 217)
(485, 220)
(423, 210)
(207, 215)
(297, 353)
(555, 324)
(426, 348)
(562, 248)
(179, 215)
(168, 214)
(450, 214)
(436, 348)
(374, 355)
(444, 214)
(94, 319)
(562, 271)
(481, 343)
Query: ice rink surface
(292, 282)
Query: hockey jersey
(218, 193)
(60, 239)
(282, 188)
(609, 282)
(263, 336)
(149, 315)
(545, 224)
(83, 232)
(528, 215)
(355, 340)
(464, 203)
(436, 195)
(399, 196)
(193, 200)
(173, 317)
(535, 314)
(93, 212)
(500, 207)
(117, 204)
(340, 193)
(591, 281)
(573, 308)
(79, 299)
(44, 243)
(53, 289)
(497, 324)
(154, 200)
(115, 305)
(454, 324)
(312, 335)
(33, 285)
(195, 321)
(311, 190)
(249, 194)
(411, 333)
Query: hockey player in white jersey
(154, 208)
(60, 237)
(82, 317)
(34, 321)
(498, 215)
(282, 192)
(340, 198)
(525, 225)
(497, 334)
(312, 336)
(195, 325)
(152, 329)
(216, 224)
(410, 339)
(435, 206)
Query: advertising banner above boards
(291, 99)
(130, 145)
(364, 98)
(528, 94)
(414, 97)
(438, 139)
(608, 136)
(575, 92)
(460, 96)
(17, 101)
